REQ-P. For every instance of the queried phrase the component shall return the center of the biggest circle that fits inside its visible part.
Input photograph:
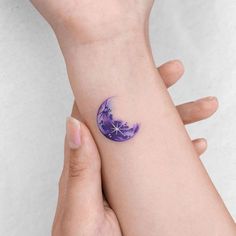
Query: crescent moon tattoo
(114, 129)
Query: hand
(81, 209)
(90, 20)
(190, 112)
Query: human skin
(189, 112)
(155, 183)
(82, 170)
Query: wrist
(71, 38)
(106, 68)
(132, 45)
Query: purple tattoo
(115, 130)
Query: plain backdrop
(35, 99)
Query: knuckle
(84, 162)
(77, 167)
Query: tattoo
(115, 130)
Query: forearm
(154, 182)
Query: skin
(155, 183)
(82, 170)
(189, 112)
(108, 223)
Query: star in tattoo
(117, 128)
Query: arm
(80, 190)
(82, 208)
(157, 176)
(155, 182)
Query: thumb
(84, 188)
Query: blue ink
(115, 130)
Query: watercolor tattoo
(113, 129)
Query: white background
(35, 99)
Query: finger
(65, 172)
(199, 110)
(171, 72)
(84, 190)
(64, 176)
(200, 145)
(63, 180)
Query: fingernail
(206, 99)
(73, 133)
